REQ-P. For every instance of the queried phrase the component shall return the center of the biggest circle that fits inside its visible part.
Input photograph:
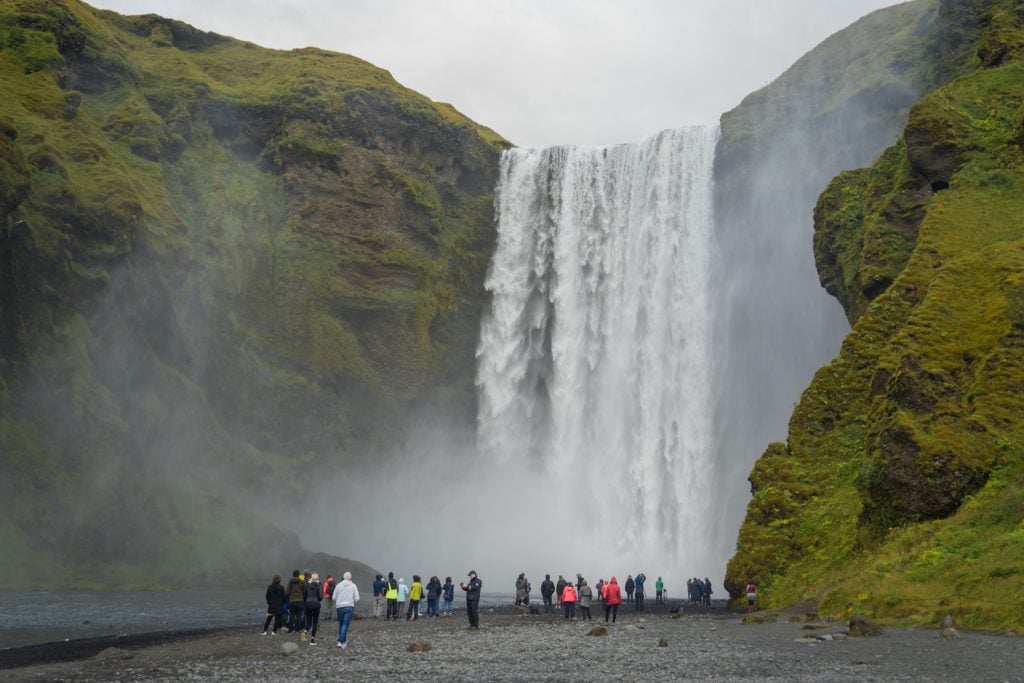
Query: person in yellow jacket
(391, 595)
(415, 595)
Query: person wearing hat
(473, 598)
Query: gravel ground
(711, 646)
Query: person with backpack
(448, 593)
(379, 601)
(638, 591)
(547, 589)
(391, 596)
(276, 599)
(612, 597)
(559, 588)
(314, 591)
(327, 605)
(583, 597)
(433, 594)
(630, 586)
(296, 602)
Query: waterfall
(594, 363)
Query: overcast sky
(545, 72)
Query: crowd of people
(699, 591)
(302, 600)
(297, 606)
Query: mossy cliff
(222, 269)
(899, 493)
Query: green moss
(906, 448)
(221, 263)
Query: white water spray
(594, 365)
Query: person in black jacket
(313, 598)
(296, 592)
(547, 589)
(473, 599)
(275, 604)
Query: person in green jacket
(659, 588)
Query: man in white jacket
(346, 595)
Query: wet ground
(702, 646)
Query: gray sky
(544, 72)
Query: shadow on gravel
(66, 651)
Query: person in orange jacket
(569, 600)
(612, 597)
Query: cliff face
(838, 107)
(224, 269)
(898, 492)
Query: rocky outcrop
(892, 494)
(225, 270)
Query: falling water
(594, 363)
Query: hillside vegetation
(899, 493)
(223, 269)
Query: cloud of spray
(438, 506)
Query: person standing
(433, 593)
(638, 591)
(403, 595)
(659, 587)
(583, 598)
(448, 593)
(473, 598)
(569, 601)
(313, 598)
(707, 591)
(559, 587)
(296, 601)
(415, 595)
(379, 601)
(391, 595)
(346, 595)
(630, 585)
(275, 604)
(612, 597)
(520, 589)
(751, 596)
(547, 589)
(327, 606)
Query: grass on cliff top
(855, 63)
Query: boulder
(862, 626)
(663, 642)
(948, 621)
(289, 648)
(419, 646)
(598, 631)
(951, 634)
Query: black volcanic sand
(712, 645)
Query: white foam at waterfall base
(594, 362)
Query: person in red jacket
(569, 600)
(612, 597)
